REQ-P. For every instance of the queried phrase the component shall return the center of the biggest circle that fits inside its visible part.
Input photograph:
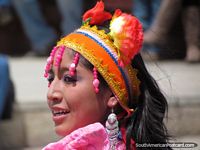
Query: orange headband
(110, 53)
(96, 47)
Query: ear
(112, 102)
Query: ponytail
(147, 123)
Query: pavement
(31, 123)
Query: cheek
(81, 95)
(85, 104)
(81, 92)
(85, 89)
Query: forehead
(62, 59)
(67, 59)
(67, 56)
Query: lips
(59, 112)
(59, 115)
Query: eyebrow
(62, 70)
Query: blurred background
(29, 29)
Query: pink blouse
(91, 137)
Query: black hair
(146, 125)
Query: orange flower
(126, 31)
(97, 15)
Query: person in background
(6, 89)
(145, 11)
(38, 31)
(99, 91)
(5, 12)
(165, 18)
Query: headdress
(110, 53)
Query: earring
(112, 130)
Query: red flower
(127, 34)
(97, 15)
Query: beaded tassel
(96, 80)
(112, 130)
(74, 64)
(59, 56)
(50, 61)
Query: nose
(54, 94)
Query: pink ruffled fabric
(91, 137)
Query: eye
(50, 78)
(69, 79)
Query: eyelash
(69, 79)
(50, 78)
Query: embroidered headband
(110, 53)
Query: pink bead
(96, 90)
(72, 66)
(45, 75)
(96, 83)
(95, 76)
(56, 63)
(72, 73)
(53, 51)
(58, 59)
(48, 65)
(77, 54)
(63, 47)
(75, 61)
(76, 57)
(49, 59)
(59, 56)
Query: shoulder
(90, 137)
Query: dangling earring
(112, 130)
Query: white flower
(116, 25)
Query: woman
(100, 93)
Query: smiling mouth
(59, 113)
(59, 116)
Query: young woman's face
(73, 100)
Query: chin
(61, 131)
